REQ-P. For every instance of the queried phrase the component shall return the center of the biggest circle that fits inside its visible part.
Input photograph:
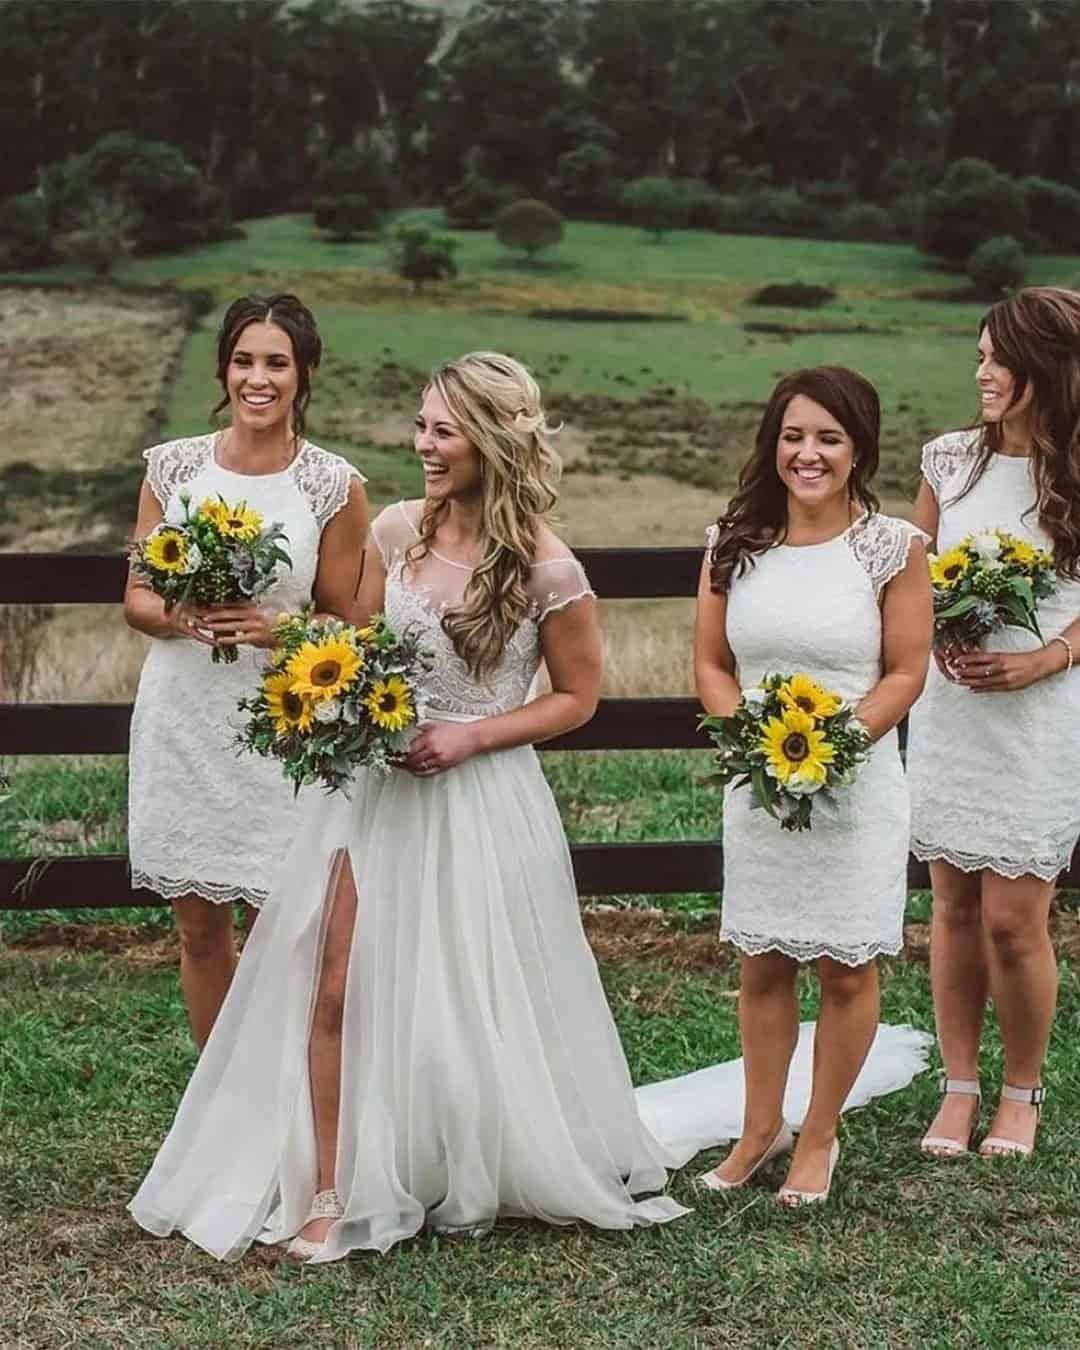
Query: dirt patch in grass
(615, 934)
(82, 372)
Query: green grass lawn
(94, 1053)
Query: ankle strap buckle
(1029, 1096)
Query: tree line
(791, 116)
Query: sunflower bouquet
(336, 698)
(219, 553)
(990, 580)
(791, 741)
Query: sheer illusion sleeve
(557, 583)
(393, 532)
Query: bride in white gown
(417, 1034)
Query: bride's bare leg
(769, 1028)
(324, 1047)
(207, 960)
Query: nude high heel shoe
(326, 1205)
(940, 1145)
(996, 1145)
(783, 1143)
(790, 1198)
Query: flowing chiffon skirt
(482, 1074)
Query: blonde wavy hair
(497, 405)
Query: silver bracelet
(1068, 650)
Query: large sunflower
(236, 521)
(1021, 552)
(947, 568)
(291, 711)
(166, 550)
(390, 704)
(802, 692)
(795, 749)
(324, 669)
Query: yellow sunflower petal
(322, 670)
(390, 704)
(806, 694)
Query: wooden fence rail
(95, 881)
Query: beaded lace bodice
(419, 593)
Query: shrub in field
(347, 216)
(906, 213)
(996, 266)
(419, 255)
(530, 225)
(356, 173)
(474, 203)
(972, 203)
(586, 181)
(770, 210)
(864, 221)
(175, 206)
(24, 230)
(657, 205)
(794, 295)
(100, 234)
(1053, 213)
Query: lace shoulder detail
(712, 538)
(324, 480)
(556, 583)
(173, 464)
(946, 457)
(881, 545)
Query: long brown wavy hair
(1036, 335)
(497, 405)
(757, 515)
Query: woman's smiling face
(814, 453)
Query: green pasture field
(94, 1049)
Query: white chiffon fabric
(482, 1075)
(993, 776)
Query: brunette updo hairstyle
(293, 317)
(756, 516)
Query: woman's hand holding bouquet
(219, 556)
(336, 698)
(790, 741)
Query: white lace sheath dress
(837, 889)
(994, 776)
(202, 819)
(481, 1072)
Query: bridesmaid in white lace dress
(803, 573)
(995, 739)
(206, 827)
(417, 1033)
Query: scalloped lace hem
(218, 893)
(757, 944)
(1046, 869)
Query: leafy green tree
(173, 204)
(530, 225)
(474, 203)
(1054, 213)
(586, 181)
(997, 266)
(24, 230)
(972, 203)
(100, 234)
(657, 205)
(346, 217)
(419, 254)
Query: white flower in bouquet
(327, 711)
(987, 544)
(755, 699)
